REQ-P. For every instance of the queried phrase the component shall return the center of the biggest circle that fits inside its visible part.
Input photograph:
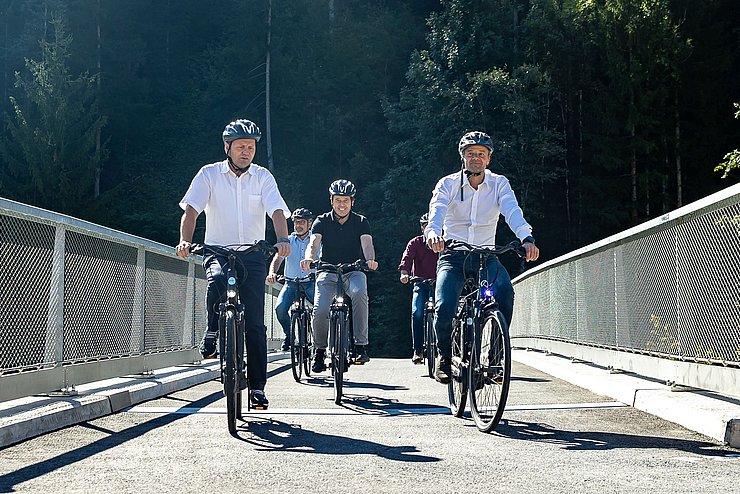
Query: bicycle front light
(340, 300)
(487, 293)
(231, 290)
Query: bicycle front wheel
(231, 371)
(457, 389)
(490, 372)
(339, 354)
(307, 344)
(296, 348)
(430, 338)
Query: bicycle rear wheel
(308, 345)
(339, 354)
(430, 340)
(457, 389)
(490, 372)
(296, 348)
(231, 372)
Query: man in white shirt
(236, 194)
(465, 206)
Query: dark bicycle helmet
(241, 129)
(424, 218)
(302, 213)
(473, 138)
(342, 187)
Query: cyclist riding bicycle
(420, 261)
(344, 237)
(466, 205)
(236, 194)
(302, 220)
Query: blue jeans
(288, 295)
(252, 296)
(452, 268)
(418, 301)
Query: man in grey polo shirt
(236, 194)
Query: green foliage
(731, 159)
(51, 144)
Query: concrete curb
(33, 416)
(714, 416)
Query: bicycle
(341, 335)
(231, 328)
(301, 332)
(481, 348)
(430, 337)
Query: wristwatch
(529, 239)
(284, 239)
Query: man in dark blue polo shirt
(344, 237)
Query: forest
(604, 113)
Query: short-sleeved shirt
(235, 207)
(297, 251)
(340, 243)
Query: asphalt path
(394, 433)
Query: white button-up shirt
(235, 207)
(474, 219)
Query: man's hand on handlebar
(404, 277)
(436, 243)
(532, 252)
(372, 265)
(306, 264)
(183, 249)
(271, 278)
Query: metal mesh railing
(76, 294)
(668, 289)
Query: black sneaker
(417, 359)
(443, 369)
(361, 356)
(208, 345)
(258, 400)
(318, 361)
(286, 344)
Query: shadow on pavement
(9, 480)
(594, 440)
(272, 435)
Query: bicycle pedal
(255, 407)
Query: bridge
(629, 346)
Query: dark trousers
(452, 268)
(251, 273)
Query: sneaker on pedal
(258, 400)
(208, 346)
(286, 344)
(361, 356)
(242, 380)
(442, 369)
(318, 361)
(417, 359)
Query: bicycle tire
(308, 345)
(339, 355)
(430, 342)
(296, 349)
(231, 386)
(490, 372)
(457, 388)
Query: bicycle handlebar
(415, 279)
(514, 246)
(282, 278)
(225, 250)
(358, 265)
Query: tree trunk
(677, 144)
(268, 129)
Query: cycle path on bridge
(393, 434)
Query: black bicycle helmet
(302, 213)
(241, 129)
(424, 218)
(342, 187)
(473, 138)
